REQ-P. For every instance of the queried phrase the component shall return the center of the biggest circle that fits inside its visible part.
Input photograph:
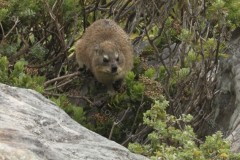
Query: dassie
(105, 49)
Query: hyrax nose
(114, 68)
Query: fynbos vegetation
(156, 111)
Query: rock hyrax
(105, 49)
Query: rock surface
(227, 103)
(234, 105)
(34, 128)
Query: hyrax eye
(106, 60)
(117, 59)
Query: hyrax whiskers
(105, 49)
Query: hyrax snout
(106, 51)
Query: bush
(173, 138)
(73, 111)
(185, 40)
(18, 76)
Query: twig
(121, 10)
(63, 84)
(218, 47)
(47, 63)
(15, 24)
(70, 42)
(70, 96)
(95, 9)
(135, 119)
(23, 50)
(60, 78)
(83, 14)
(129, 9)
(91, 8)
(157, 52)
(144, 131)
(111, 7)
(82, 97)
(116, 123)
(57, 24)
(3, 33)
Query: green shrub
(18, 77)
(150, 72)
(73, 111)
(135, 89)
(174, 139)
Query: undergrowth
(18, 76)
(148, 111)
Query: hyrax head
(107, 59)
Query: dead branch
(57, 24)
(22, 51)
(116, 123)
(121, 10)
(60, 85)
(60, 78)
(47, 63)
(69, 96)
(16, 21)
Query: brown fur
(105, 39)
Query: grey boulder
(34, 128)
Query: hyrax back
(105, 49)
